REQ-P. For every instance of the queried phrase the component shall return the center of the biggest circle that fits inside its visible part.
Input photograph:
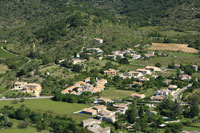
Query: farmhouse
(31, 88)
(98, 40)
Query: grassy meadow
(49, 106)
(176, 57)
(113, 93)
(4, 54)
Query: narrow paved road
(26, 98)
(176, 94)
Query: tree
(77, 68)
(131, 115)
(158, 65)
(124, 61)
(194, 111)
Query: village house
(110, 72)
(143, 79)
(100, 87)
(87, 80)
(144, 71)
(112, 56)
(133, 74)
(136, 83)
(150, 54)
(136, 56)
(99, 108)
(107, 115)
(185, 77)
(196, 68)
(100, 58)
(77, 61)
(163, 92)
(89, 111)
(90, 122)
(102, 81)
(98, 40)
(177, 66)
(95, 50)
(105, 100)
(31, 88)
(117, 52)
(121, 108)
(98, 129)
(139, 96)
(80, 84)
(155, 76)
(157, 98)
(153, 68)
(172, 87)
(167, 82)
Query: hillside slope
(63, 27)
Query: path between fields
(26, 98)
(7, 51)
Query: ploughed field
(173, 47)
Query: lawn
(47, 105)
(112, 93)
(196, 75)
(4, 54)
(192, 128)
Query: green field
(193, 127)
(112, 93)
(176, 57)
(49, 106)
(4, 54)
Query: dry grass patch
(173, 47)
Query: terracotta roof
(99, 107)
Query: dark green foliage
(85, 97)
(158, 65)
(170, 109)
(44, 121)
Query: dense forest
(62, 27)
